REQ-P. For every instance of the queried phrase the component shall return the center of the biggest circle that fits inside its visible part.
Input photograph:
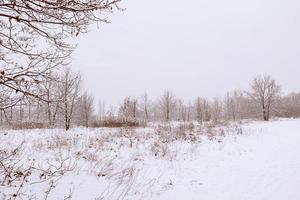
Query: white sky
(192, 47)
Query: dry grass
(27, 125)
(116, 155)
(117, 123)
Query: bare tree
(289, 106)
(86, 108)
(101, 110)
(264, 91)
(53, 96)
(34, 38)
(233, 105)
(202, 110)
(183, 110)
(145, 106)
(199, 110)
(129, 109)
(216, 109)
(70, 91)
(167, 103)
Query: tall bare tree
(264, 90)
(70, 91)
(145, 106)
(129, 109)
(167, 103)
(101, 110)
(289, 106)
(86, 104)
(216, 109)
(184, 110)
(53, 96)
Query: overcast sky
(192, 47)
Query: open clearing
(255, 161)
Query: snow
(262, 163)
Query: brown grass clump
(116, 123)
(28, 125)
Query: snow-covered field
(254, 161)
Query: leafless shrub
(191, 126)
(183, 132)
(9, 165)
(160, 149)
(90, 156)
(100, 142)
(57, 141)
(16, 174)
(105, 168)
(238, 129)
(211, 135)
(220, 132)
(125, 180)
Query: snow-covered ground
(254, 161)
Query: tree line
(263, 100)
(68, 104)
